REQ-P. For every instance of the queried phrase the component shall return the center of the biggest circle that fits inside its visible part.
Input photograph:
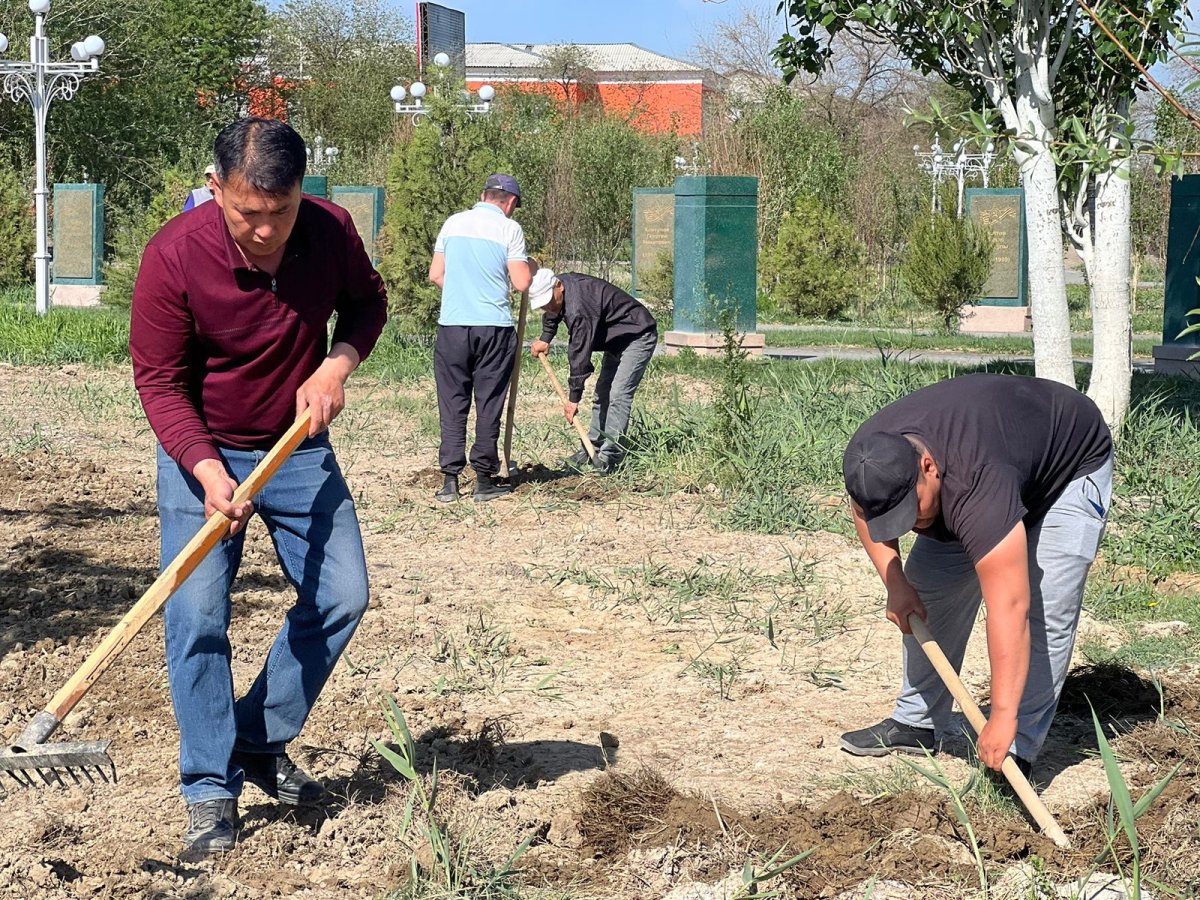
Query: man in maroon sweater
(230, 343)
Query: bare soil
(591, 664)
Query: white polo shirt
(478, 245)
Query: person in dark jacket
(600, 317)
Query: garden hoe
(29, 758)
(562, 395)
(1020, 784)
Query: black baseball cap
(880, 469)
(499, 182)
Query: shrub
(134, 230)
(816, 269)
(946, 266)
(437, 169)
(656, 285)
(16, 229)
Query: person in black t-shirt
(1006, 480)
(600, 317)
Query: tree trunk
(1047, 281)
(1108, 275)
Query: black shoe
(212, 827)
(488, 488)
(888, 736)
(998, 779)
(449, 491)
(280, 778)
(579, 461)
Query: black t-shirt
(1006, 446)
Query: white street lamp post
(961, 165)
(321, 157)
(41, 82)
(418, 90)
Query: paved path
(950, 357)
(900, 331)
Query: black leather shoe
(280, 778)
(212, 827)
(449, 490)
(887, 737)
(998, 779)
(487, 487)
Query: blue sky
(667, 26)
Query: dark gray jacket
(600, 317)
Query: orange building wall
(653, 108)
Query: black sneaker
(280, 778)
(579, 461)
(487, 487)
(212, 827)
(998, 779)
(888, 736)
(449, 490)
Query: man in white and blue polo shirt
(477, 254)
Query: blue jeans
(310, 516)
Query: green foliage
(350, 55)
(947, 264)
(437, 169)
(136, 227)
(16, 229)
(450, 867)
(172, 75)
(97, 336)
(796, 155)
(656, 283)
(600, 160)
(815, 269)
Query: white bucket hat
(541, 289)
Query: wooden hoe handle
(173, 575)
(562, 395)
(514, 381)
(1016, 778)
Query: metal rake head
(82, 763)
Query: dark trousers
(466, 359)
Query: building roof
(606, 59)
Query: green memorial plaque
(365, 205)
(315, 186)
(1181, 293)
(716, 252)
(1000, 212)
(78, 233)
(653, 228)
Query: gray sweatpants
(1061, 550)
(620, 375)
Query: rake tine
(103, 775)
(45, 777)
(71, 772)
(18, 780)
(58, 778)
(87, 774)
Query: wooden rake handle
(173, 575)
(562, 395)
(1020, 784)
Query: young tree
(1024, 61)
(569, 67)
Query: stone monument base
(1172, 359)
(991, 319)
(76, 295)
(710, 343)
